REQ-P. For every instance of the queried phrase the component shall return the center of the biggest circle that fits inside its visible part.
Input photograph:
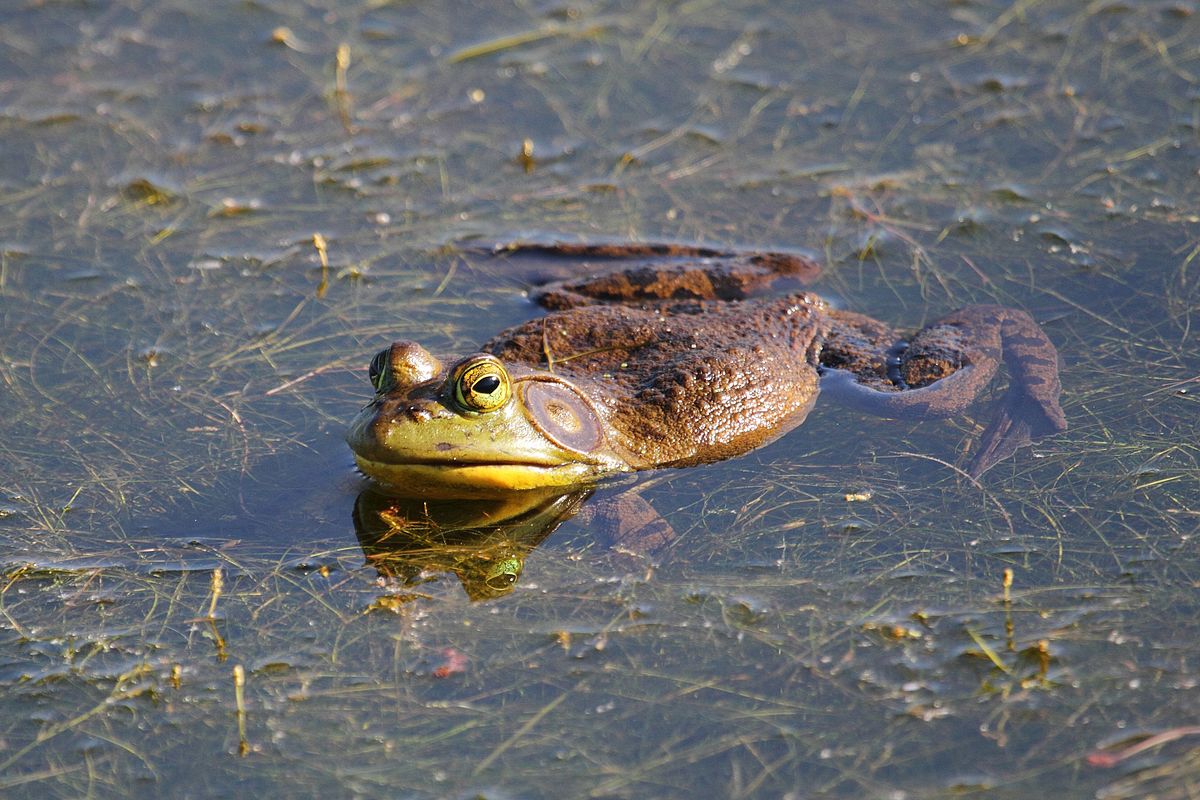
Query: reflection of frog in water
(666, 363)
(485, 542)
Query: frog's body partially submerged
(667, 363)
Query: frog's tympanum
(667, 361)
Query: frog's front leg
(653, 274)
(941, 370)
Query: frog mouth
(448, 480)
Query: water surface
(829, 618)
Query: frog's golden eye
(379, 369)
(481, 384)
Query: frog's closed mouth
(668, 361)
(448, 481)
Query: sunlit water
(827, 616)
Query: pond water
(194, 600)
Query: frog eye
(481, 384)
(378, 371)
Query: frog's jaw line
(457, 481)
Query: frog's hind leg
(864, 348)
(654, 274)
(1030, 408)
(941, 370)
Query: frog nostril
(418, 414)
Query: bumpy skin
(685, 383)
(661, 360)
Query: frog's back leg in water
(945, 366)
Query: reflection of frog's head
(484, 543)
(476, 429)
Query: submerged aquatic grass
(201, 247)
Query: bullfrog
(668, 356)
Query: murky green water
(829, 620)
